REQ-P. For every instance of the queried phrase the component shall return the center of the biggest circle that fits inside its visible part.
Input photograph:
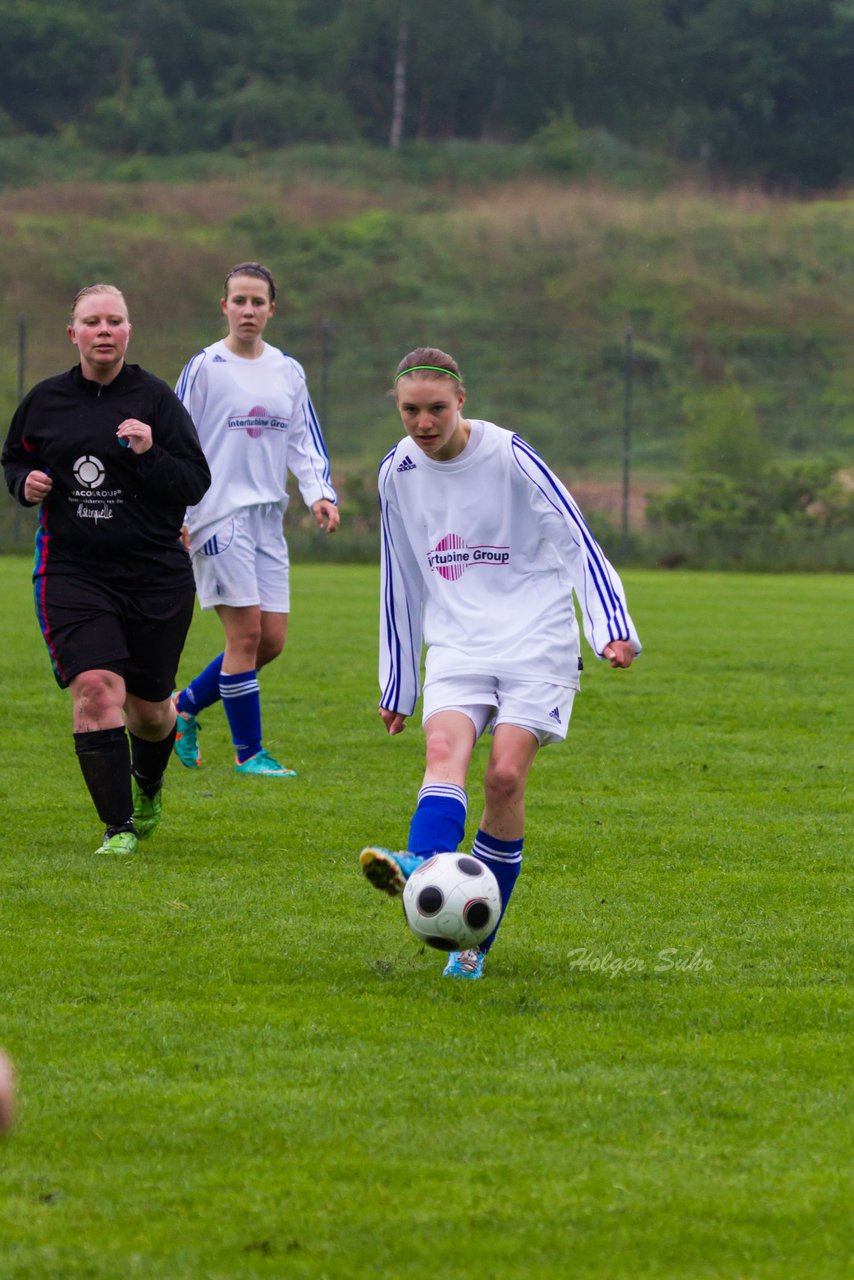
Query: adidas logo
(218, 359)
(407, 464)
(555, 715)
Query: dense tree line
(763, 87)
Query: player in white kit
(256, 423)
(482, 550)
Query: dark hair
(251, 269)
(427, 362)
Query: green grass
(235, 1062)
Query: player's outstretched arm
(393, 721)
(620, 653)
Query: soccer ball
(452, 902)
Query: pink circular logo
(257, 412)
(450, 562)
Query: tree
(770, 85)
(398, 109)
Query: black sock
(105, 764)
(149, 760)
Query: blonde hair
(427, 362)
(96, 288)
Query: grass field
(235, 1062)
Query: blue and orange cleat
(187, 737)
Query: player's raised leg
(439, 820)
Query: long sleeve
(18, 460)
(307, 456)
(596, 583)
(401, 590)
(175, 466)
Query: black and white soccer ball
(452, 902)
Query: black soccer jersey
(111, 512)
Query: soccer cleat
(262, 765)
(388, 871)
(146, 810)
(121, 844)
(187, 730)
(464, 964)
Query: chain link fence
(607, 412)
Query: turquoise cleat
(464, 964)
(187, 738)
(262, 765)
(388, 871)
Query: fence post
(22, 383)
(628, 378)
(325, 353)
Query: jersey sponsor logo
(256, 422)
(89, 471)
(219, 360)
(85, 511)
(407, 464)
(452, 555)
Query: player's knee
(441, 749)
(268, 651)
(242, 650)
(97, 692)
(504, 782)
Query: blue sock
(203, 691)
(439, 821)
(241, 699)
(504, 859)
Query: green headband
(436, 369)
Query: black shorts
(136, 631)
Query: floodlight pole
(628, 376)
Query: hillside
(529, 278)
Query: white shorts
(246, 562)
(488, 701)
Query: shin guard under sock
(149, 760)
(105, 764)
(504, 859)
(439, 821)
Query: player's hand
(185, 538)
(393, 721)
(326, 514)
(37, 486)
(135, 435)
(620, 653)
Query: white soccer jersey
(256, 423)
(480, 559)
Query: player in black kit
(112, 456)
